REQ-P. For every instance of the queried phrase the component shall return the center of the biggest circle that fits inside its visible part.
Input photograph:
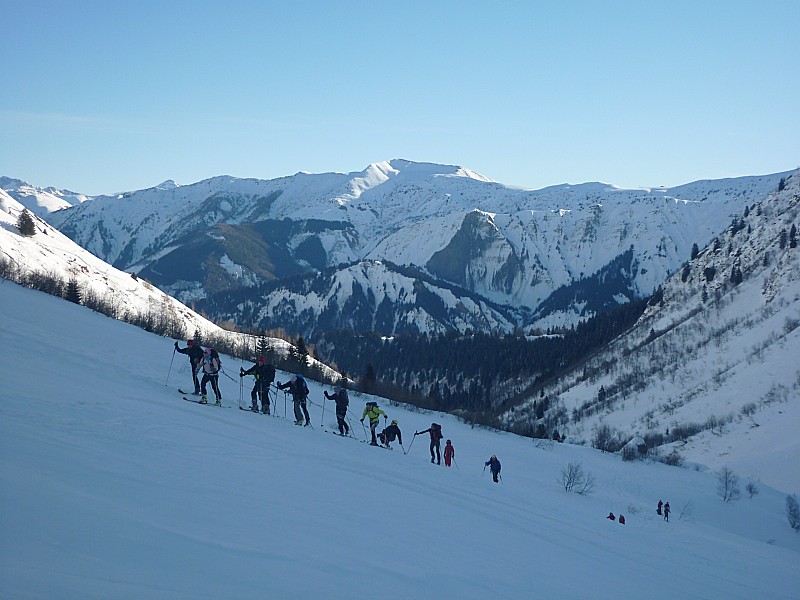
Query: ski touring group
(206, 362)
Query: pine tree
(782, 239)
(793, 236)
(695, 251)
(73, 291)
(25, 223)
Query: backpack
(302, 386)
(437, 430)
(269, 377)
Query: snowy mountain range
(711, 369)
(475, 254)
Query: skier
(611, 516)
(195, 352)
(390, 433)
(666, 512)
(211, 365)
(658, 510)
(621, 520)
(494, 467)
(299, 390)
(342, 402)
(449, 453)
(265, 375)
(374, 413)
(435, 431)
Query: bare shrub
(752, 489)
(728, 485)
(574, 479)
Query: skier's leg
(254, 398)
(305, 411)
(298, 414)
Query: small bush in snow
(752, 489)
(574, 479)
(728, 485)
(793, 512)
(673, 459)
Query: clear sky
(106, 96)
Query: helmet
(190, 342)
(448, 441)
(394, 422)
(261, 360)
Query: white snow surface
(111, 486)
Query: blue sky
(107, 96)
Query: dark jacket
(435, 432)
(342, 400)
(195, 352)
(391, 432)
(264, 373)
(493, 464)
(297, 388)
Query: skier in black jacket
(195, 352)
(390, 433)
(494, 467)
(342, 402)
(299, 390)
(435, 431)
(265, 375)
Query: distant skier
(435, 431)
(299, 390)
(658, 510)
(449, 453)
(195, 353)
(621, 520)
(342, 402)
(374, 413)
(494, 467)
(666, 512)
(390, 433)
(265, 375)
(211, 365)
(611, 516)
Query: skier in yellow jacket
(374, 413)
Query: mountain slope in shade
(711, 369)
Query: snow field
(113, 487)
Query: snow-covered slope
(111, 486)
(50, 253)
(712, 369)
(511, 246)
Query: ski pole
(322, 420)
(241, 391)
(484, 470)
(170, 366)
(412, 442)
(403, 447)
(455, 463)
(226, 375)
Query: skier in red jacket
(449, 453)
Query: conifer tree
(793, 236)
(25, 223)
(73, 291)
(695, 250)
